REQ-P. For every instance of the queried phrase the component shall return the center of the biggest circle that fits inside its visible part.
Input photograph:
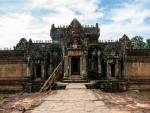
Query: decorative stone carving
(75, 35)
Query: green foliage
(138, 43)
(148, 43)
(3, 95)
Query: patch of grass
(145, 94)
(3, 95)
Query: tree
(148, 43)
(138, 43)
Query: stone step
(74, 78)
(60, 85)
(76, 86)
(74, 81)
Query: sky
(32, 19)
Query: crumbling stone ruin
(112, 65)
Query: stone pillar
(50, 65)
(93, 60)
(32, 70)
(66, 75)
(42, 71)
(122, 66)
(92, 63)
(69, 66)
(63, 50)
(99, 62)
(116, 69)
(84, 65)
(107, 70)
(81, 63)
(28, 71)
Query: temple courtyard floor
(76, 99)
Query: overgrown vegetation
(3, 95)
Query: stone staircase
(53, 78)
(74, 79)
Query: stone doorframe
(67, 63)
(75, 65)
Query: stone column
(122, 66)
(66, 75)
(84, 65)
(69, 66)
(42, 70)
(107, 70)
(116, 69)
(81, 63)
(93, 61)
(32, 70)
(50, 65)
(99, 62)
(28, 71)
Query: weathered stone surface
(13, 70)
(75, 99)
(34, 61)
(137, 69)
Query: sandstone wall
(137, 70)
(13, 70)
(12, 65)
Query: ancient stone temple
(74, 41)
(83, 56)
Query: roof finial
(75, 23)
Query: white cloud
(82, 6)
(84, 10)
(15, 26)
(129, 19)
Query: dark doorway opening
(38, 71)
(75, 66)
(112, 66)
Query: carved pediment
(75, 35)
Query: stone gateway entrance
(75, 65)
(112, 70)
(38, 71)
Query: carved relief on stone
(125, 41)
(75, 35)
(110, 48)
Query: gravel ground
(21, 102)
(130, 101)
